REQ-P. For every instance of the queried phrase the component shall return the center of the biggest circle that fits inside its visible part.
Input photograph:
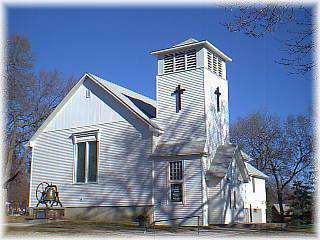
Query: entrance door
(215, 202)
(257, 216)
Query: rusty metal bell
(51, 194)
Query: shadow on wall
(217, 134)
(134, 181)
(142, 196)
(221, 203)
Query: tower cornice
(203, 43)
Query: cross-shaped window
(178, 92)
(218, 98)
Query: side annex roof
(123, 95)
(222, 160)
(185, 148)
(255, 172)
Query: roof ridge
(188, 41)
(107, 87)
(123, 98)
(126, 92)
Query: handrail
(163, 220)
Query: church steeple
(192, 54)
(192, 92)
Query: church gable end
(89, 105)
(95, 101)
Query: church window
(176, 181)
(218, 94)
(86, 157)
(234, 199)
(81, 162)
(178, 92)
(253, 184)
(86, 162)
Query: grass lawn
(93, 227)
(67, 226)
(308, 228)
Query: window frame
(85, 137)
(230, 198)
(181, 181)
(253, 184)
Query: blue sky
(115, 44)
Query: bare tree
(282, 149)
(30, 99)
(294, 21)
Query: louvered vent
(210, 61)
(180, 61)
(87, 93)
(168, 63)
(215, 64)
(191, 59)
(220, 67)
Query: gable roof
(121, 94)
(223, 157)
(245, 156)
(125, 91)
(128, 96)
(255, 172)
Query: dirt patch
(14, 219)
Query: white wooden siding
(257, 199)
(220, 191)
(234, 214)
(217, 123)
(192, 205)
(189, 123)
(124, 168)
(82, 111)
(205, 204)
(216, 201)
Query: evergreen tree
(301, 202)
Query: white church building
(115, 154)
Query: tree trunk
(10, 153)
(280, 201)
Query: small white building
(115, 154)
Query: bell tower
(192, 93)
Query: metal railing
(165, 220)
